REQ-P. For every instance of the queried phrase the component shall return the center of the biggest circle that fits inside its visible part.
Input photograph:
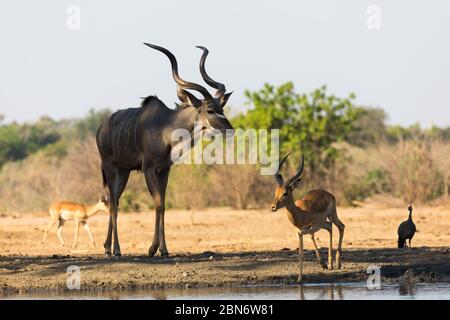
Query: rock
(185, 274)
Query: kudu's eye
(210, 111)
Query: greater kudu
(140, 139)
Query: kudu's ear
(189, 98)
(224, 98)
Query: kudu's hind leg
(156, 184)
(117, 180)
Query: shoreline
(47, 274)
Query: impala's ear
(224, 98)
(295, 184)
(189, 98)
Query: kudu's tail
(104, 178)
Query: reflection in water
(332, 291)
(407, 288)
(325, 292)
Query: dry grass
(228, 230)
(417, 171)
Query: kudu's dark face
(212, 117)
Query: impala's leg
(86, 227)
(60, 226)
(116, 179)
(300, 257)
(329, 227)
(341, 228)
(156, 184)
(319, 260)
(338, 223)
(77, 229)
(52, 223)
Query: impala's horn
(277, 175)
(299, 172)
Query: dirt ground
(220, 247)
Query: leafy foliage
(18, 141)
(312, 123)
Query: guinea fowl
(406, 230)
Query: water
(336, 291)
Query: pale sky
(48, 69)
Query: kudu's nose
(273, 207)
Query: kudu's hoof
(164, 254)
(152, 252)
(324, 265)
(107, 250)
(117, 255)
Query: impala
(315, 211)
(140, 139)
(65, 211)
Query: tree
(88, 126)
(370, 127)
(312, 123)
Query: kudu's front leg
(116, 179)
(155, 242)
(108, 241)
(157, 183)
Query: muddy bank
(209, 269)
(220, 247)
